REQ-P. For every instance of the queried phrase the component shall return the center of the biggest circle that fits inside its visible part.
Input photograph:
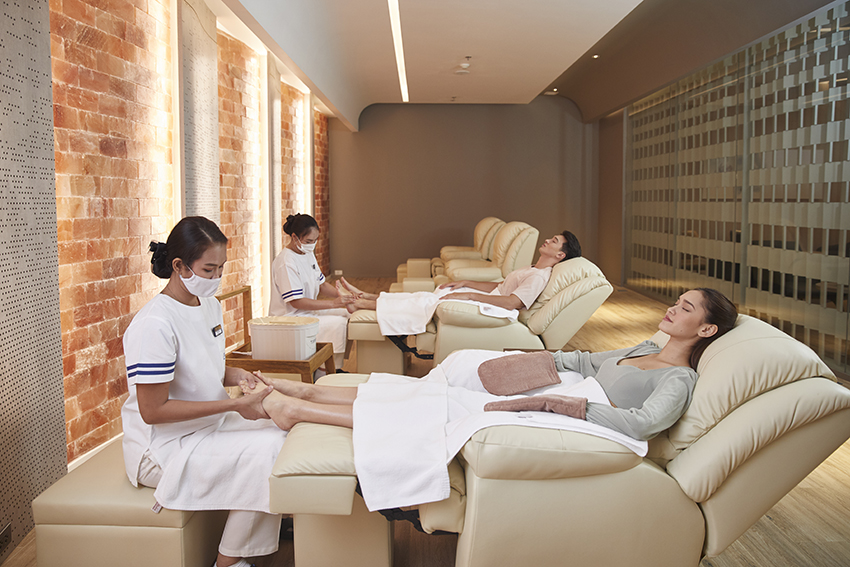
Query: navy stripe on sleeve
(150, 369)
(292, 293)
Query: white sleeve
(150, 351)
(288, 282)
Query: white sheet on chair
(409, 313)
(406, 430)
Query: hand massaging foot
(278, 406)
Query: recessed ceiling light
(395, 24)
(595, 56)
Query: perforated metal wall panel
(32, 433)
(199, 69)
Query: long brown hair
(719, 311)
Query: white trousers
(246, 533)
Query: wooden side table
(239, 355)
(306, 368)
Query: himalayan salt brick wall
(321, 186)
(239, 171)
(112, 120)
(291, 149)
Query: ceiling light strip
(395, 23)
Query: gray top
(648, 401)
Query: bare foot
(291, 388)
(362, 303)
(359, 293)
(342, 290)
(282, 410)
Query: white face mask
(202, 287)
(307, 247)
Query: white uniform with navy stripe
(208, 463)
(297, 276)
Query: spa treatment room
(424, 283)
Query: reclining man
(408, 313)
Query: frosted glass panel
(738, 180)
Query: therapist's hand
(250, 406)
(344, 300)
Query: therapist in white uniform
(183, 434)
(297, 282)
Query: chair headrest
(507, 234)
(751, 359)
(564, 275)
(481, 230)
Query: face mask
(307, 247)
(202, 287)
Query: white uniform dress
(297, 276)
(218, 462)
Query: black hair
(571, 247)
(299, 225)
(188, 240)
(719, 311)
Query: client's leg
(286, 411)
(362, 303)
(310, 392)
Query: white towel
(399, 440)
(409, 313)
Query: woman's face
(211, 263)
(310, 237)
(685, 319)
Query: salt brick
(137, 37)
(112, 106)
(93, 80)
(110, 24)
(65, 117)
(81, 55)
(111, 65)
(62, 26)
(122, 89)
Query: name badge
(216, 331)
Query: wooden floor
(810, 527)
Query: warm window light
(395, 23)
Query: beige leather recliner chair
(575, 291)
(513, 247)
(765, 412)
(483, 235)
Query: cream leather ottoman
(93, 516)
(314, 480)
(375, 353)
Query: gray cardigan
(648, 401)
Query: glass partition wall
(738, 180)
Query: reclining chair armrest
(412, 285)
(530, 453)
(475, 273)
(467, 315)
(419, 267)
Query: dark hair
(718, 311)
(571, 246)
(299, 225)
(188, 240)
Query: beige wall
(417, 177)
(610, 231)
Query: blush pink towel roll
(564, 405)
(517, 373)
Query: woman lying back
(649, 387)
